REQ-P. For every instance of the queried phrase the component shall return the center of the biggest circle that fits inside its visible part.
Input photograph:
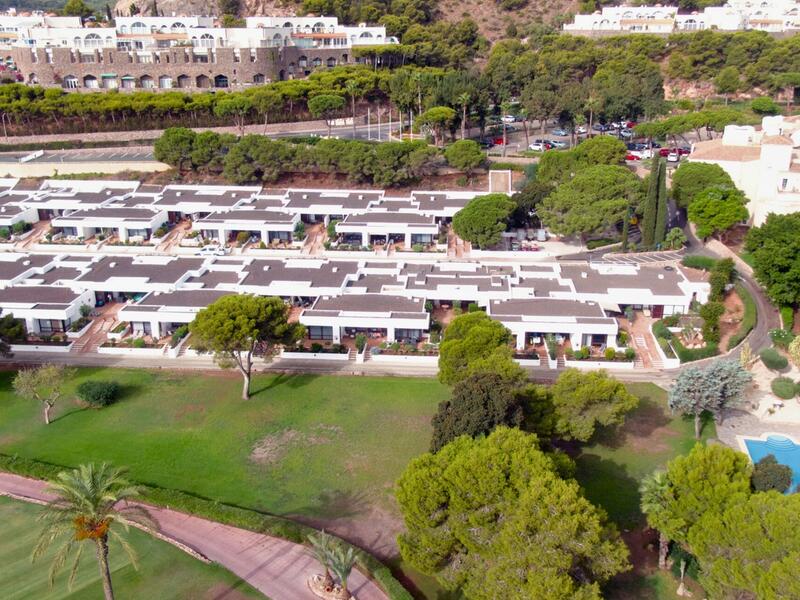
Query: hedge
(696, 261)
(783, 387)
(748, 319)
(682, 352)
(222, 513)
(773, 360)
(781, 338)
(787, 317)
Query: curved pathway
(276, 567)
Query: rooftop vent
(26, 262)
(361, 196)
(112, 265)
(335, 269)
(661, 276)
(584, 275)
(305, 196)
(177, 193)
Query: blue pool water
(785, 451)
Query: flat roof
(38, 294)
(369, 303)
(545, 307)
(388, 217)
(183, 298)
(169, 271)
(123, 214)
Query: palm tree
(85, 508)
(463, 100)
(321, 544)
(342, 561)
(655, 491)
(352, 90)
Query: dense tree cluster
(494, 518)
(483, 220)
(775, 247)
(254, 158)
(704, 503)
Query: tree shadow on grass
(607, 484)
(337, 504)
(643, 422)
(290, 380)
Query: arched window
(183, 81)
(220, 81)
(319, 26)
(206, 41)
(202, 81)
(146, 82)
(317, 62)
(90, 81)
(165, 82)
(277, 39)
(123, 29)
(70, 82)
(302, 61)
(177, 26)
(78, 42)
(258, 78)
(331, 62)
(287, 24)
(366, 34)
(139, 27)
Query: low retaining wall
(40, 348)
(609, 365)
(409, 359)
(315, 356)
(125, 351)
(74, 335)
(528, 362)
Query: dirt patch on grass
(731, 320)
(188, 411)
(270, 449)
(645, 430)
(220, 591)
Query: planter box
(118, 336)
(74, 335)
(408, 359)
(528, 362)
(40, 348)
(315, 356)
(609, 365)
(125, 351)
(669, 363)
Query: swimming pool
(782, 447)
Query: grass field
(164, 571)
(325, 449)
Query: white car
(508, 119)
(673, 157)
(642, 154)
(537, 147)
(581, 129)
(211, 251)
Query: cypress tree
(626, 225)
(650, 209)
(662, 213)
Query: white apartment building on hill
(764, 163)
(774, 16)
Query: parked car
(631, 156)
(486, 144)
(211, 251)
(631, 124)
(581, 130)
(560, 144)
(538, 147)
(560, 131)
(508, 119)
(626, 133)
(635, 146)
(684, 150)
(599, 127)
(646, 153)
(673, 157)
(663, 152)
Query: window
(90, 82)
(165, 82)
(258, 78)
(318, 332)
(70, 82)
(139, 27)
(146, 82)
(220, 81)
(51, 325)
(784, 183)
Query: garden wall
(409, 359)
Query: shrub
(781, 337)
(660, 330)
(765, 106)
(418, 248)
(610, 354)
(473, 307)
(98, 393)
(773, 360)
(711, 312)
(179, 334)
(787, 317)
(361, 341)
(630, 354)
(794, 351)
(5, 233)
(160, 232)
(19, 227)
(783, 387)
(768, 475)
(695, 261)
(263, 246)
(138, 343)
(622, 338)
(242, 237)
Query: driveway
(276, 567)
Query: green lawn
(611, 468)
(164, 571)
(324, 446)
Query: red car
(678, 151)
(498, 141)
(632, 157)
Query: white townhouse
(158, 313)
(127, 224)
(45, 309)
(762, 162)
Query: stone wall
(184, 67)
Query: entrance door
(658, 311)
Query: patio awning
(609, 306)
(108, 74)
(128, 77)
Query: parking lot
(82, 156)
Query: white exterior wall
(365, 321)
(28, 311)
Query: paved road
(276, 567)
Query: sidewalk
(275, 567)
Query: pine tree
(662, 212)
(650, 209)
